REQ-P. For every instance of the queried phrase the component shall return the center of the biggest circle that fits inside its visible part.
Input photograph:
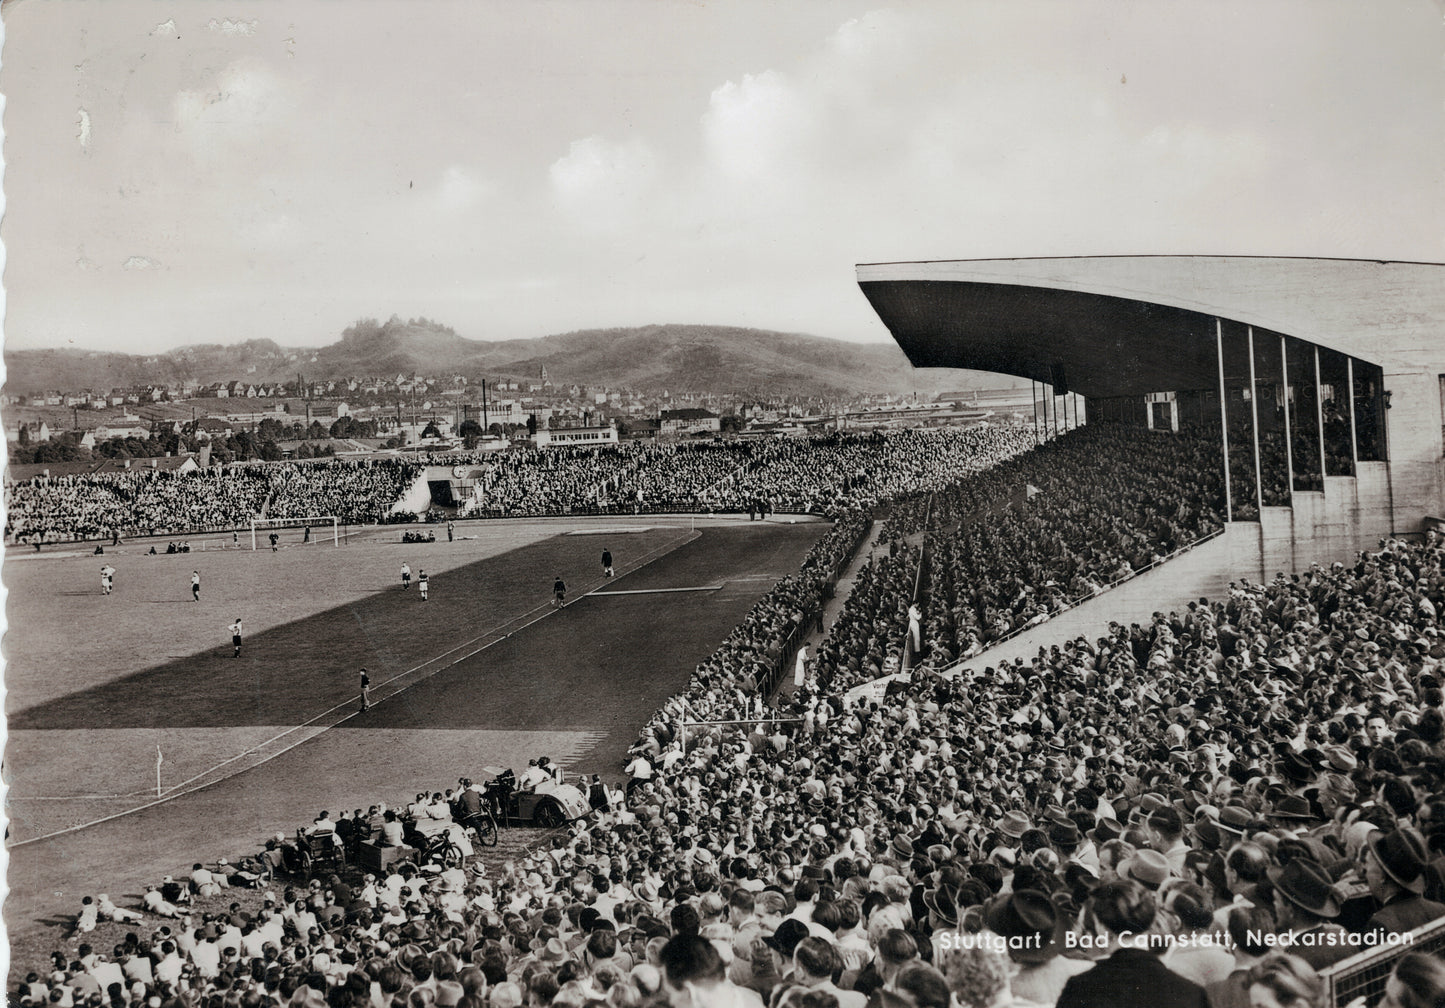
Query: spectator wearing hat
(1394, 865)
(1129, 975)
(783, 942)
(1306, 906)
(1011, 827)
(1033, 925)
(1147, 867)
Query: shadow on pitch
(292, 673)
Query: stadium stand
(1269, 765)
(822, 475)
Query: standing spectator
(639, 772)
(1395, 873)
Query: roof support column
(1224, 419)
(1288, 446)
(1320, 417)
(1354, 438)
(1254, 423)
(1034, 409)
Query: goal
(314, 527)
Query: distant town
(233, 421)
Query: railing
(684, 724)
(909, 650)
(1364, 974)
(812, 617)
(1073, 602)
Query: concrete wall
(1417, 470)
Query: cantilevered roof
(1119, 325)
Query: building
(682, 422)
(548, 437)
(1324, 379)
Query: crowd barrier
(812, 619)
(1364, 974)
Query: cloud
(602, 178)
(138, 262)
(165, 28)
(758, 125)
(459, 190)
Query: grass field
(484, 672)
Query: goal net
(294, 531)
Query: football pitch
(139, 742)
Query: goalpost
(264, 525)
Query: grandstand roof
(1122, 325)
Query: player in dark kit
(606, 563)
(559, 593)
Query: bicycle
(482, 829)
(441, 850)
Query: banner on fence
(874, 690)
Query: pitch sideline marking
(599, 593)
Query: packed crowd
(829, 475)
(825, 475)
(1020, 543)
(131, 503)
(822, 475)
(1208, 809)
(355, 491)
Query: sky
(197, 172)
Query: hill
(677, 358)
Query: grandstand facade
(1323, 379)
